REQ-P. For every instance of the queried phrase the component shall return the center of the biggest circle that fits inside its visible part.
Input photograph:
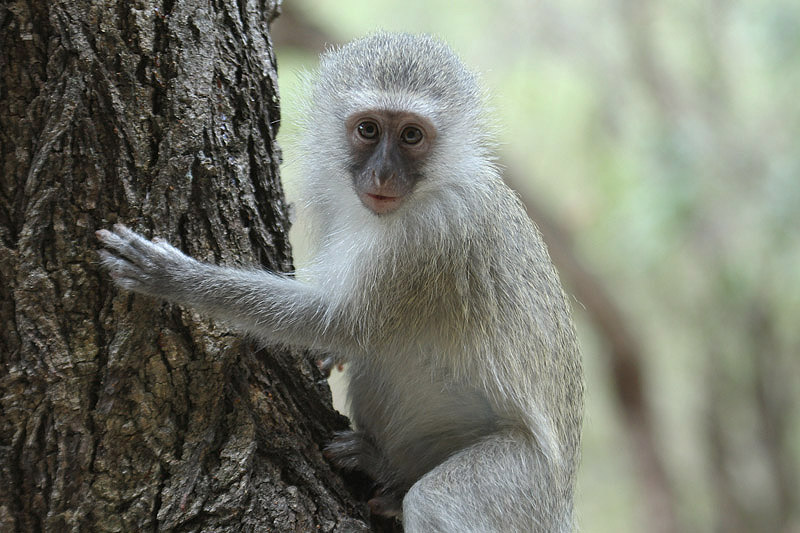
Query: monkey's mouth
(379, 203)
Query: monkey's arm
(273, 307)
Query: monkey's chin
(380, 205)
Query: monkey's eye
(411, 135)
(368, 130)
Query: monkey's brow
(394, 101)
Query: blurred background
(657, 145)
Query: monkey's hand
(327, 363)
(152, 267)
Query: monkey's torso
(441, 326)
(415, 421)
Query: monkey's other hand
(151, 267)
(327, 363)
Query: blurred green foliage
(666, 138)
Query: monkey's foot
(347, 449)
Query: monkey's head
(396, 115)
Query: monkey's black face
(388, 150)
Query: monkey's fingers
(124, 273)
(125, 243)
(151, 250)
(327, 364)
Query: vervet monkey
(432, 283)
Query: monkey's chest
(416, 420)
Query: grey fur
(466, 382)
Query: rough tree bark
(118, 412)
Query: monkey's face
(388, 151)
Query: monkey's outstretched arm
(273, 307)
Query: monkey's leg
(274, 307)
(500, 484)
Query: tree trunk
(119, 412)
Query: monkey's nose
(379, 179)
